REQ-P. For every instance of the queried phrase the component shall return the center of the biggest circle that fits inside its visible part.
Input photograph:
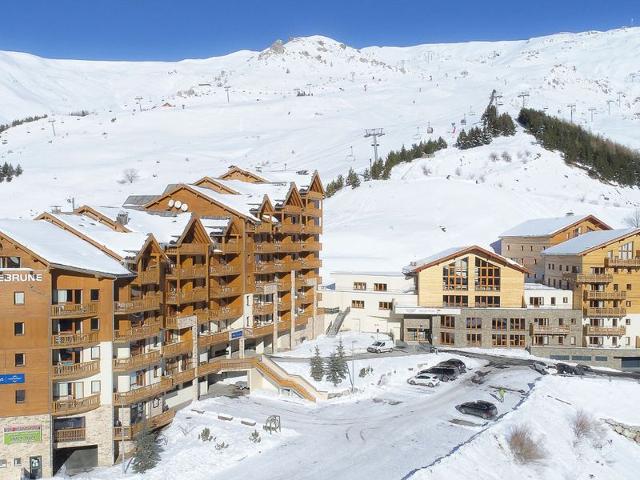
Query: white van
(381, 346)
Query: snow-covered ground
(353, 342)
(427, 204)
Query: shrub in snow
(364, 371)
(205, 435)
(506, 156)
(522, 445)
(221, 446)
(586, 427)
(147, 450)
(255, 437)
(458, 171)
(316, 364)
(493, 156)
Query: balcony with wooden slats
(588, 277)
(623, 262)
(311, 246)
(177, 348)
(267, 247)
(121, 399)
(129, 432)
(312, 229)
(136, 362)
(151, 276)
(178, 378)
(596, 295)
(311, 263)
(217, 270)
(212, 338)
(64, 340)
(265, 267)
(232, 246)
(73, 371)
(197, 294)
(262, 330)
(225, 313)
(188, 249)
(150, 301)
(605, 311)
(291, 228)
(550, 329)
(225, 291)
(74, 310)
(597, 331)
(69, 435)
(150, 328)
(193, 271)
(266, 308)
(73, 406)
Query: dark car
(454, 362)
(565, 369)
(479, 408)
(444, 373)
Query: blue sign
(236, 334)
(8, 378)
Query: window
(95, 353)
(95, 294)
(447, 338)
(447, 321)
(95, 324)
(561, 340)
(516, 340)
(455, 275)
(10, 262)
(487, 275)
(359, 286)
(626, 251)
(17, 462)
(455, 300)
(627, 341)
(627, 321)
(21, 397)
(357, 303)
(384, 305)
(628, 286)
(499, 323)
(380, 287)
(474, 323)
(536, 301)
(553, 301)
(499, 340)
(3, 463)
(487, 302)
(19, 359)
(18, 328)
(565, 299)
(18, 298)
(474, 339)
(95, 386)
(516, 323)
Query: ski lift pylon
(429, 128)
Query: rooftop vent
(56, 209)
(569, 214)
(122, 218)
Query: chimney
(122, 218)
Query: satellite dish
(185, 207)
(178, 204)
(170, 203)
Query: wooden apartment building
(152, 303)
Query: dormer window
(10, 262)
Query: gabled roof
(235, 169)
(239, 204)
(453, 252)
(60, 248)
(138, 201)
(589, 241)
(543, 227)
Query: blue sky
(177, 29)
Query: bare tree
(633, 219)
(130, 175)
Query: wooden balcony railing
(588, 277)
(312, 229)
(74, 309)
(137, 394)
(622, 262)
(265, 267)
(194, 271)
(550, 329)
(188, 249)
(283, 285)
(262, 308)
(129, 432)
(311, 246)
(261, 330)
(291, 228)
(198, 294)
(149, 302)
(223, 270)
(228, 247)
(595, 295)
(311, 263)
(74, 406)
(178, 378)
(284, 326)
(225, 364)
(225, 291)
(224, 313)
(207, 339)
(136, 362)
(69, 435)
(64, 340)
(267, 247)
(150, 276)
(75, 370)
(605, 311)
(178, 348)
(312, 211)
(149, 329)
(596, 331)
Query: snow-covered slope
(187, 129)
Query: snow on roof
(540, 286)
(433, 258)
(166, 228)
(587, 241)
(302, 178)
(215, 226)
(542, 226)
(123, 244)
(255, 192)
(242, 204)
(59, 247)
(368, 273)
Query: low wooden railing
(622, 262)
(198, 294)
(550, 329)
(69, 435)
(149, 302)
(74, 309)
(194, 271)
(178, 348)
(596, 295)
(208, 339)
(596, 331)
(75, 405)
(605, 311)
(75, 370)
(140, 393)
(63, 340)
(225, 291)
(588, 277)
(135, 362)
(129, 432)
(149, 329)
(224, 313)
(188, 249)
(263, 308)
(223, 270)
(150, 276)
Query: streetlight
(353, 366)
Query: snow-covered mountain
(187, 129)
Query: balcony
(226, 291)
(194, 271)
(75, 370)
(605, 311)
(69, 310)
(312, 211)
(136, 362)
(265, 267)
(207, 339)
(64, 340)
(311, 263)
(622, 262)
(129, 432)
(149, 302)
(223, 270)
(188, 249)
(550, 329)
(291, 247)
(283, 285)
(595, 295)
(266, 288)
(147, 277)
(267, 247)
(69, 435)
(284, 326)
(261, 330)
(72, 406)
(178, 378)
(121, 399)
(284, 305)
(291, 228)
(305, 298)
(225, 313)
(588, 277)
(311, 246)
(263, 308)
(178, 348)
(597, 331)
(312, 229)
(232, 246)
(197, 294)
(179, 321)
(150, 328)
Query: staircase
(335, 326)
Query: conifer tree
(332, 370)
(352, 179)
(147, 454)
(316, 365)
(341, 360)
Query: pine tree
(352, 179)
(462, 141)
(147, 450)
(366, 175)
(316, 365)
(18, 170)
(341, 360)
(332, 370)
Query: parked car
(479, 408)
(459, 364)
(444, 373)
(563, 368)
(540, 368)
(381, 346)
(427, 379)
